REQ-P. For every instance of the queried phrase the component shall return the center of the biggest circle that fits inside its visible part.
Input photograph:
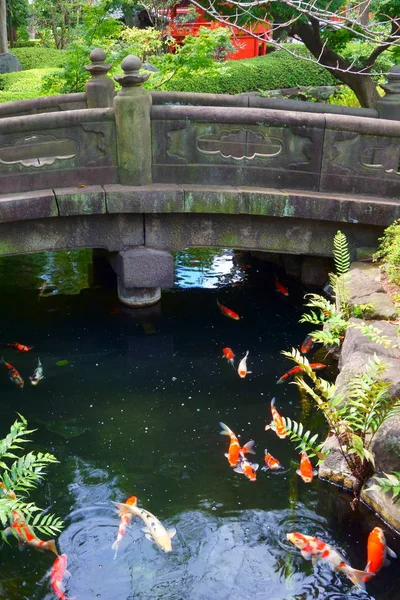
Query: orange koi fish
(235, 451)
(9, 493)
(242, 368)
(247, 468)
(377, 552)
(307, 345)
(123, 524)
(57, 573)
(14, 375)
(317, 550)
(306, 471)
(228, 354)
(279, 287)
(277, 424)
(25, 534)
(270, 462)
(299, 369)
(228, 312)
(19, 347)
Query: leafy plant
(389, 252)
(19, 475)
(389, 483)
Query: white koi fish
(38, 374)
(242, 368)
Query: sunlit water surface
(136, 411)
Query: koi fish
(228, 312)
(154, 530)
(14, 375)
(277, 424)
(57, 573)
(38, 374)
(123, 524)
(299, 369)
(235, 451)
(19, 347)
(242, 368)
(25, 534)
(317, 550)
(228, 354)
(377, 552)
(306, 470)
(6, 492)
(270, 462)
(279, 287)
(307, 344)
(247, 468)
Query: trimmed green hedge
(274, 71)
(22, 85)
(39, 58)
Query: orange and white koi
(38, 374)
(235, 451)
(242, 368)
(228, 312)
(6, 492)
(228, 354)
(123, 524)
(57, 574)
(299, 369)
(14, 375)
(317, 550)
(279, 287)
(25, 534)
(247, 468)
(307, 344)
(19, 347)
(277, 424)
(306, 470)
(270, 462)
(377, 551)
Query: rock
(149, 67)
(9, 63)
(364, 287)
(382, 504)
(292, 265)
(386, 446)
(334, 467)
(315, 271)
(365, 253)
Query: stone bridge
(142, 174)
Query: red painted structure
(247, 45)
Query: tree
(325, 28)
(3, 27)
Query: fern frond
(15, 437)
(25, 472)
(341, 254)
(305, 441)
(374, 334)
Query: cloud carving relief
(38, 150)
(239, 145)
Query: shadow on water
(131, 405)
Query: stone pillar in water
(388, 107)
(99, 88)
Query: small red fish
(228, 312)
(277, 424)
(299, 369)
(235, 451)
(307, 345)
(25, 534)
(377, 552)
(228, 354)
(306, 471)
(247, 469)
(57, 573)
(242, 368)
(281, 288)
(19, 347)
(123, 524)
(14, 375)
(271, 462)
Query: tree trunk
(3, 27)
(362, 85)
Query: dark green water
(136, 412)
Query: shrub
(39, 58)
(389, 252)
(344, 96)
(26, 44)
(22, 85)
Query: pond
(131, 404)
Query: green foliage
(358, 52)
(389, 483)
(389, 252)
(341, 254)
(39, 58)
(18, 476)
(144, 43)
(363, 311)
(305, 443)
(344, 96)
(22, 85)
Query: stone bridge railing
(192, 169)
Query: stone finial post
(132, 107)
(99, 88)
(388, 107)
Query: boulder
(364, 287)
(334, 467)
(382, 504)
(315, 271)
(9, 63)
